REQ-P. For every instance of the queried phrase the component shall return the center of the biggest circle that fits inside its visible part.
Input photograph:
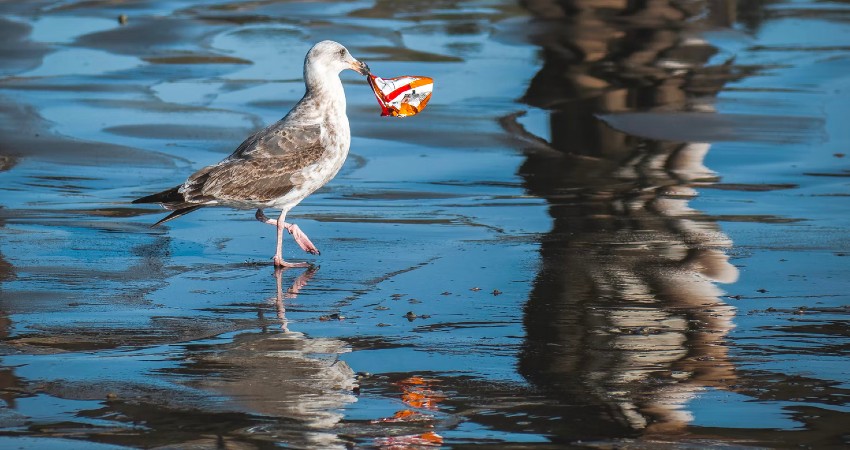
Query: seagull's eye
(342, 52)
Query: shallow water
(614, 225)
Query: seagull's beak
(359, 67)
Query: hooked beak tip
(360, 67)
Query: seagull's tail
(170, 199)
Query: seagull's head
(329, 57)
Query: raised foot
(280, 263)
(301, 239)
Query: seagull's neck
(326, 88)
(327, 97)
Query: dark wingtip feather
(178, 213)
(167, 196)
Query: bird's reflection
(625, 319)
(290, 293)
(283, 374)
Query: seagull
(280, 165)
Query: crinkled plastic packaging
(401, 96)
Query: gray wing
(279, 139)
(300, 130)
(264, 167)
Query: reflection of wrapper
(401, 96)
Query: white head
(326, 60)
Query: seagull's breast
(336, 141)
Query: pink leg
(300, 237)
(280, 224)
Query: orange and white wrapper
(401, 96)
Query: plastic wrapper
(401, 96)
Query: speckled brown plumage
(266, 168)
(285, 162)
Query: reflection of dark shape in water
(9, 383)
(285, 375)
(624, 320)
(7, 162)
(8, 379)
(6, 269)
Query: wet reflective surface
(617, 223)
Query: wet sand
(613, 226)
